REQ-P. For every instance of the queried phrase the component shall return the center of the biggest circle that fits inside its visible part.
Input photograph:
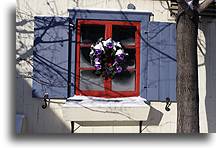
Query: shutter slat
(50, 63)
(161, 78)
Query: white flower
(99, 46)
(119, 52)
(118, 44)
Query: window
(123, 84)
(155, 51)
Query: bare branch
(204, 5)
(183, 6)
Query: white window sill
(86, 108)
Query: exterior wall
(207, 74)
(50, 120)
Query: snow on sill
(89, 101)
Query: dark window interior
(91, 33)
(131, 60)
(124, 34)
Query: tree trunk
(187, 74)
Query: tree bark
(187, 73)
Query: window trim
(108, 93)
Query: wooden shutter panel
(50, 57)
(161, 78)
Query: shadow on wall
(209, 30)
(210, 59)
(37, 120)
(153, 119)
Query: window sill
(85, 108)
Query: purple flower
(109, 45)
(97, 60)
(98, 66)
(118, 69)
(98, 52)
(120, 57)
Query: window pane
(131, 60)
(89, 81)
(91, 33)
(84, 58)
(124, 81)
(124, 34)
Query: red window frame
(107, 93)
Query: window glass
(124, 34)
(91, 33)
(89, 81)
(124, 81)
(131, 59)
(84, 57)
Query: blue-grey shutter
(50, 57)
(161, 78)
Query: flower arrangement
(108, 58)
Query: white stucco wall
(50, 120)
(207, 74)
